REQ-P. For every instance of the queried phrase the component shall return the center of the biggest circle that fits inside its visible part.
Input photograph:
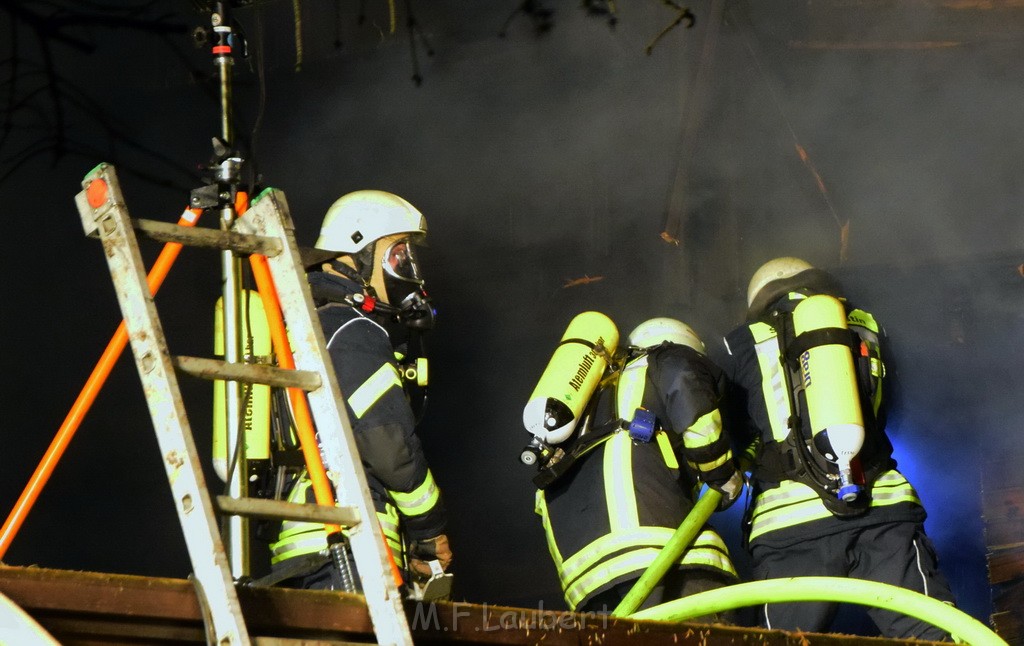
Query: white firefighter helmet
(361, 217)
(654, 331)
(773, 270)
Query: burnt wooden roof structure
(1003, 510)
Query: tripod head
(225, 164)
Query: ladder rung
(281, 510)
(250, 373)
(242, 243)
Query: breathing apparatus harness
(586, 437)
(415, 313)
(799, 457)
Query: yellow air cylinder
(830, 387)
(256, 406)
(572, 375)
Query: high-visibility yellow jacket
(607, 518)
(789, 510)
(407, 499)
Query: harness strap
(822, 336)
(556, 469)
(292, 568)
(778, 461)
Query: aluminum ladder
(265, 229)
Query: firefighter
(366, 283)
(803, 520)
(608, 516)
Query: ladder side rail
(269, 216)
(103, 212)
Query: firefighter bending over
(808, 373)
(608, 515)
(369, 294)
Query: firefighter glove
(730, 490)
(432, 549)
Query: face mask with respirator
(406, 300)
(404, 285)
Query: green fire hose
(670, 554)
(870, 593)
(962, 626)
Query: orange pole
(300, 406)
(88, 395)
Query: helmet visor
(399, 262)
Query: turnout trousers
(896, 553)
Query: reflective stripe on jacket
(791, 510)
(793, 503)
(606, 520)
(383, 425)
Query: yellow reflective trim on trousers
(540, 506)
(316, 541)
(709, 558)
(600, 548)
(299, 538)
(667, 453)
(420, 500)
(310, 545)
(614, 568)
(291, 528)
(773, 383)
(641, 559)
(704, 431)
(373, 389)
(794, 503)
(285, 543)
(642, 537)
(619, 490)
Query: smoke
(548, 167)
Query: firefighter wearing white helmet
(366, 283)
(654, 332)
(371, 236)
(652, 435)
(806, 373)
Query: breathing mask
(403, 283)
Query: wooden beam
(94, 608)
(1002, 503)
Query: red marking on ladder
(96, 192)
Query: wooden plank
(1003, 513)
(1010, 626)
(1006, 565)
(1003, 473)
(1005, 533)
(93, 608)
(1004, 503)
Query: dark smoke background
(879, 140)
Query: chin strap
(416, 310)
(348, 272)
